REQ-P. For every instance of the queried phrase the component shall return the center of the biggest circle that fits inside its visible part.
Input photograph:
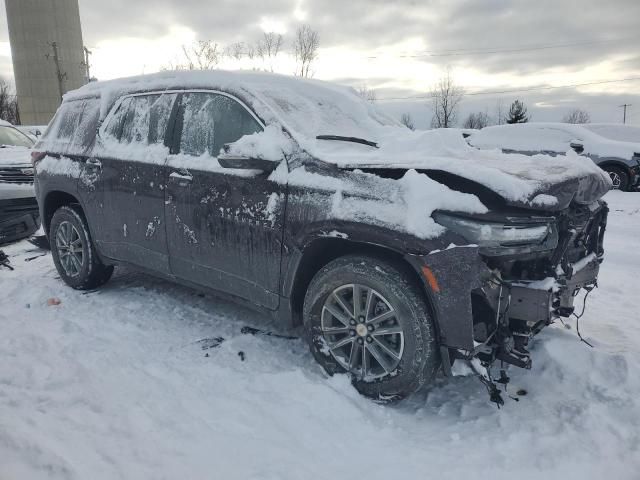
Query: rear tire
(619, 177)
(404, 342)
(74, 254)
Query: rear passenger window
(210, 120)
(142, 119)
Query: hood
(540, 182)
(15, 156)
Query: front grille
(16, 175)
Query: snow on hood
(554, 137)
(515, 177)
(405, 204)
(307, 108)
(11, 155)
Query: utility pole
(59, 74)
(87, 52)
(624, 114)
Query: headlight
(490, 234)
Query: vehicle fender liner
(449, 277)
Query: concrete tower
(48, 55)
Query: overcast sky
(398, 48)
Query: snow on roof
(305, 107)
(4, 123)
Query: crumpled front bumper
(478, 311)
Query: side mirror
(228, 160)
(577, 146)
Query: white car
(615, 150)
(19, 215)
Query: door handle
(94, 162)
(181, 178)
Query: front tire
(74, 254)
(367, 317)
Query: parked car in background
(398, 251)
(619, 158)
(19, 215)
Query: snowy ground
(117, 384)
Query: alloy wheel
(615, 179)
(69, 246)
(362, 331)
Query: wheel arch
(320, 251)
(52, 202)
(616, 163)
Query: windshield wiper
(348, 139)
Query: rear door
(224, 226)
(129, 165)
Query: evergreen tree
(517, 113)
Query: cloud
(601, 39)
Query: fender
(450, 275)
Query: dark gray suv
(397, 251)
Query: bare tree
(477, 120)
(8, 104)
(200, 55)
(268, 47)
(368, 94)
(235, 50)
(577, 116)
(445, 97)
(407, 121)
(306, 46)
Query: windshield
(309, 109)
(13, 137)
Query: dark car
(398, 251)
(18, 206)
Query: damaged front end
(523, 272)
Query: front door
(131, 156)
(224, 226)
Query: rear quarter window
(73, 128)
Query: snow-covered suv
(397, 251)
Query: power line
(494, 50)
(519, 90)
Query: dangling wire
(584, 307)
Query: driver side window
(210, 120)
